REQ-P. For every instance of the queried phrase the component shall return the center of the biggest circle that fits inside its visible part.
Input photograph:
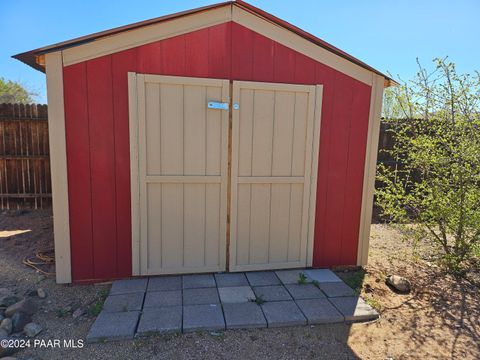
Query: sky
(386, 34)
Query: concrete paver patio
(162, 304)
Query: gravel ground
(440, 319)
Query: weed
(373, 303)
(302, 279)
(97, 307)
(61, 313)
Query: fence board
(24, 157)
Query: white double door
(192, 211)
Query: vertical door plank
(279, 223)
(263, 122)
(300, 134)
(244, 137)
(171, 139)
(152, 128)
(195, 119)
(283, 133)
(154, 226)
(213, 135)
(242, 230)
(212, 224)
(296, 216)
(194, 225)
(172, 225)
(259, 223)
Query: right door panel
(272, 138)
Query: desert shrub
(436, 187)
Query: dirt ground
(440, 319)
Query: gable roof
(34, 57)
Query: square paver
(198, 281)
(237, 294)
(200, 296)
(262, 278)
(163, 283)
(113, 326)
(354, 308)
(319, 311)
(124, 302)
(160, 320)
(231, 279)
(291, 276)
(162, 298)
(128, 286)
(322, 275)
(272, 293)
(283, 313)
(203, 317)
(336, 289)
(304, 291)
(244, 315)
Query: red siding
(96, 101)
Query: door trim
(134, 180)
(309, 200)
(317, 124)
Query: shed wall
(96, 115)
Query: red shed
(216, 139)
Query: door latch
(217, 105)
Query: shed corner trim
(58, 165)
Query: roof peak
(32, 57)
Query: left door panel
(182, 152)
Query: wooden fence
(24, 157)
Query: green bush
(436, 187)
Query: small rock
(31, 292)
(6, 325)
(77, 313)
(3, 333)
(7, 297)
(26, 305)
(32, 329)
(399, 283)
(19, 320)
(42, 294)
